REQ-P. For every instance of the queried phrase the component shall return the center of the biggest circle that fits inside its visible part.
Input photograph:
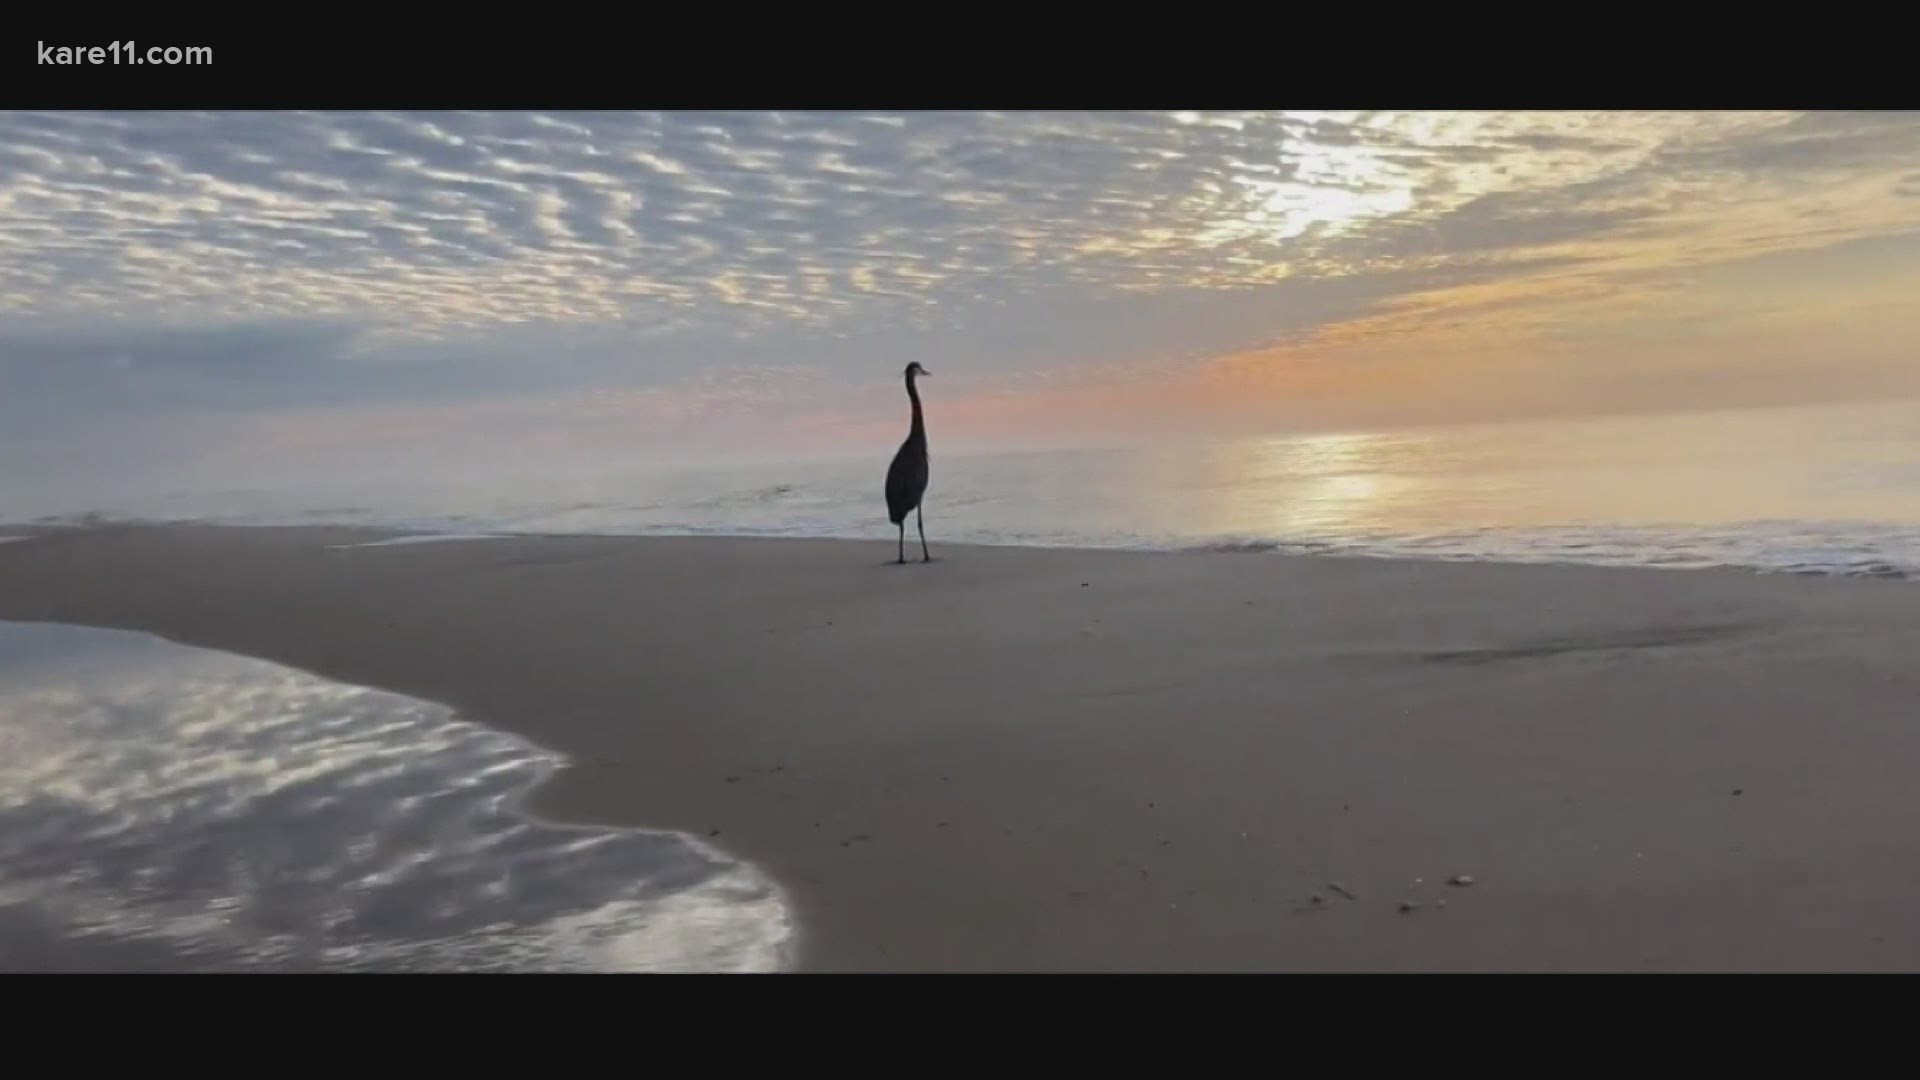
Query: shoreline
(1862, 568)
(497, 888)
(1000, 768)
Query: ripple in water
(164, 808)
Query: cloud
(473, 263)
(459, 220)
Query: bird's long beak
(924, 371)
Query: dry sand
(1016, 760)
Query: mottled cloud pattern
(690, 275)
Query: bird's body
(907, 476)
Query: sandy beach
(1062, 760)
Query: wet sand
(1018, 759)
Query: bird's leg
(903, 542)
(920, 519)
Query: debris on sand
(1408, 907)
(1341, 889)
(1460, 880)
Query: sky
(218, 298)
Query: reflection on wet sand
(173, 809)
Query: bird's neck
(919, 429)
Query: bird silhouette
(907, 476)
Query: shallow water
(1818, 489)
(165, 808)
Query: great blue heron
(907, 476)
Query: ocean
(173, 809)
(1826, 489)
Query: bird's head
(914, 369)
